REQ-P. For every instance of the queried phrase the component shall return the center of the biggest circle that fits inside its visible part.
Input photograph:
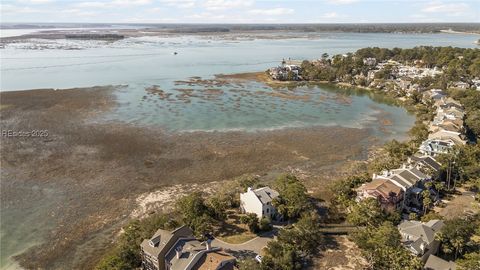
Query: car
(258, 258)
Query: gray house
(180, 250)
(419, 237)
(154, 250)
(436, 263)
(425, 163)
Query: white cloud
(126, 3)
(16, 9)
(226, 4)
(330, 15)
(111, 4)
(79, 12)
(342, 2)
(35, 1)
(179, 3)
(91, 5)
(439, 7)
(272, 12)
(207, 16)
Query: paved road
(249, 248)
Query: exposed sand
(164, 199)
(99, 174)
(343, 255)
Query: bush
(251, 220)
(292, 199)
(295, 244)
(265, 224)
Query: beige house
(448, 135)
(386, 192)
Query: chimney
(374, 176)
(178, 251)
(209, 244)
(249, 189)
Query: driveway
(249, 248)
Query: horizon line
(241, 23)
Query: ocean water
(187, 105)
(150, 60)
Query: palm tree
(427, 201)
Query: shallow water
(253, 106)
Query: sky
(239, 11)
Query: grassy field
(233, 231)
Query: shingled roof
(265, 194)
(417, 235)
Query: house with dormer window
(419, 237)
(259, 201)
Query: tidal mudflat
(73, 189)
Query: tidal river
(180, 93)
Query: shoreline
(228, 32)
(92, 166)
(449, 31)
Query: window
(268, 210)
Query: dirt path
(460, 205)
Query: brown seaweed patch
(290, 96)
(156, 90)
(198, 81)
(343, 99)
(213, 91)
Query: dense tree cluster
(460, 236)
(293, 199)
(126, 254)
(381, 246)
(343, 190)
(309, 28)
(469, 261)
(196, 213)
(471, 101)
(294, 245)
(457, 64)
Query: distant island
(323, 27)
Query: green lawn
(232, 231)
(239, 238)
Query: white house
(433, 147)
(259, 201)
